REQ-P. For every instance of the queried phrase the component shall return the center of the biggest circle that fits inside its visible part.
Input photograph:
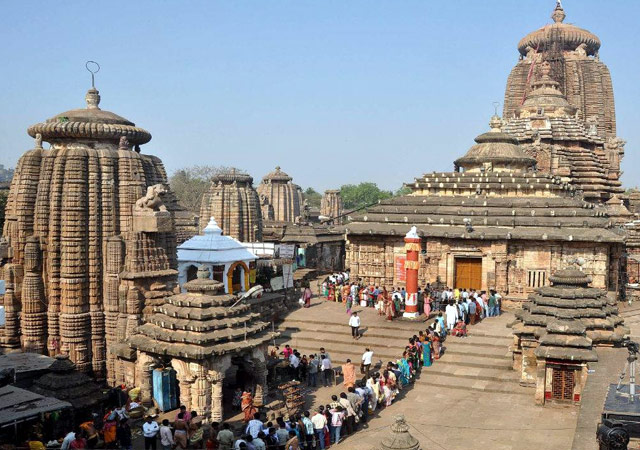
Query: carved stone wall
(281, 199)
(331, 205)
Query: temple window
(536, 278)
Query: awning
(18, 405)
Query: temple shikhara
(114, 293)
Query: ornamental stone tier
(280, 199)
(201, 334)
(399, 438)
(233, 201)
(88, 238)
(584, 79)
(558, 326)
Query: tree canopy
(190, 184)
(363, 194)
(313, 197)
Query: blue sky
(335, 92)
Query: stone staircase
(479, 363)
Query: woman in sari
(435, 344)
(389, 308)
(364, 297)
(307, 297)
(427, 305)
(426, 353)
(405, 372)
(380, 302)
(247, 406)
(349, 304)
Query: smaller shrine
(400, 438)
(556, 331)
(65, 383)
(208, 338)
(227, 259)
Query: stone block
(152, 222)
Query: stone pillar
(200, 389)
(260, 373)
(217, 379)
(541, 372)
(144, 379)
(529, 361)
(412, 265)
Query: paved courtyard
(468, 399)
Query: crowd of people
(431, 299)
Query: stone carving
(331, 206)
(581, 50)
(152, 201)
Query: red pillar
(411, 265)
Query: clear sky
(334, 91)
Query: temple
(559, 106)
(495, 223)
(280, 199)
(331, 207)
(233, 201)
(206, 336)
(556, 331)
(88, 238)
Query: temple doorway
(238, 277)
(468, 273)
(192, 273)
(562, 383)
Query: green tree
(404, 190)
(363, 194)
(313, 197)
(190, 184)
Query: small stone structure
(331, 207)
(201, 333)
(64, 382)
(227, 259)
(555, 331)
(400, 438)
(280, 199)
(233, 201)
(88, 238)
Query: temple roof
(90, 123)
(495, 147)
(213, 247)
(543, 219)
(569, 307)
(277, 175)
(64, 382)
(201, 323)
(567, 36)
(232, 176)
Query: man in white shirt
(367, 356)
(319, 422)
(150, 430)
(354, 323)
(166, 438)
(254, 426)
(294, 362)
(325, 370)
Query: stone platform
(470, 398)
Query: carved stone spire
(558, 13)
(92, 98)
(400, 437)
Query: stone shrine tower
(281, 200)
(233, 201)
(559, 105)
(331, 206)
(88, 239)
(576, 66)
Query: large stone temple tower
(233, 202)
(281, 199)
(559, 105)
(88, 240)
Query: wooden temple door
(562, 383)
(468, 273)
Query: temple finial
(558, 13)
(93, 68)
